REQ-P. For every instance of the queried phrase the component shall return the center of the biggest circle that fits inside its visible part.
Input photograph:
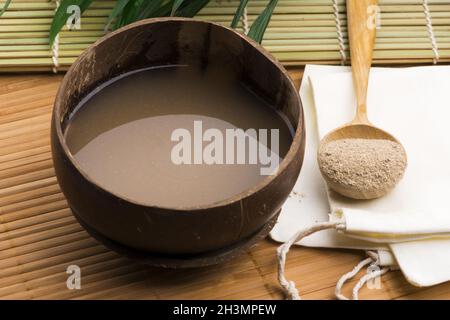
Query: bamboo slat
(309, 25)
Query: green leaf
(117, 11)
(150, 9)
(258, 28)
(191, 8)
(130, 13)
(239, 13)
(164, 10)
(176, 5)
(61, 15)
(5, 6)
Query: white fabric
(389, 227)
(414, 105)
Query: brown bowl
(176, 231)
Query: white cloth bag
(410, 227)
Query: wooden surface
(39, 238)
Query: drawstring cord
(371, 261)
(289, 286)
(282, 251)
(350, 275)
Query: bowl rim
(296, 144)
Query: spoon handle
(361, 30)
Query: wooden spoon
(362, 39)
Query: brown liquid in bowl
(120, 135)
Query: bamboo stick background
(39, 238)
(300, 32)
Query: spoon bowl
(356, 131)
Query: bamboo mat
(39, 238)
(300, 31)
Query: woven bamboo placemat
(39, 238)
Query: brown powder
(363, 165)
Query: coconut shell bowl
(177, 237)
